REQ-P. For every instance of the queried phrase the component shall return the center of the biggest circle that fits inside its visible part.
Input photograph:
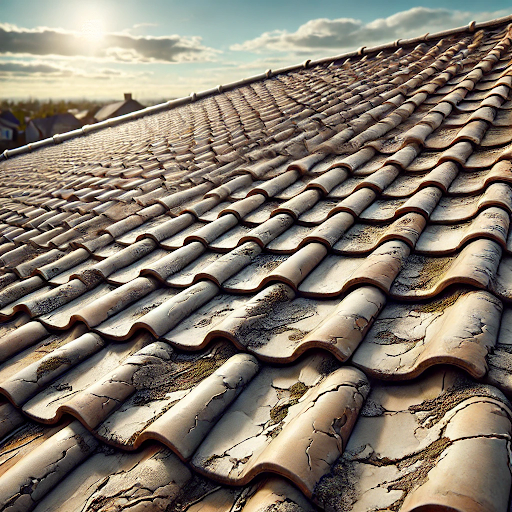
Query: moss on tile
(463, 389)
(183, 371)
(423, 461)
(279, 412)
(431, 270)
(390, 338)
(51, 364)
(439, 305)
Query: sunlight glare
(92, 30)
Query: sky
(164, 49)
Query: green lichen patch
(183, 371)
(51, 364)
(337, 491)
(423, 461)
(389, 338)
(279, 412)
(431, 270)
(439, 305)
(463, 389)
(273, 316)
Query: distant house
(84, 116)
(119, 108)
(9, 126)
(45, 127)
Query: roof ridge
(471, 27)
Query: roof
(44, 127)
(7, 118)
(289, 294)
(119, 108)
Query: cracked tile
(460, 328)
(297, 406)
(406, 449)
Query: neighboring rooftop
(289, 294)
(46, 127)
(119, 108)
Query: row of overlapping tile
(325, 212)
(409, 440)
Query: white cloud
(122, 47)
(348, 33)
(36, 69)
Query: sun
(92, 30)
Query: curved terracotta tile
(192, 272)
(68, 261)
(344, 329)
(213, 230)
(18, 289)
(356, 203)
(152, 477)
(259, 169)
(242, 208)
(268, 230)
(405, 451)
(261, 214)
(49, 404)
(346, 188)
(329, 180)
(63, 315)
(276, 327)
(19, 334)
(123, 226)
(36, 474)
(459, 329)
(162, 392)
(226, 189)
(299, 204)
(134, 234)
(487, 157)
(46, 299)
(179, 198)
(423, 202)
(175, 261)
(34, 377)
(120, 325)
(228, 265)
(10, 420)
(440, 239)
(477, 181)
(331, 230)
(130, 272)
(366, 237)
(168, 228)
(473, 132)
(166, 315)
(299, 435)
(298, 266)
(271, 187)
(336, 274)
(110, 303)
(117, 261)
(195, 408)
(502, 283)
(458, 209)
(318, 213)
(441, 177)
(424, 276)
(496, 136)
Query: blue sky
(161, 49)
